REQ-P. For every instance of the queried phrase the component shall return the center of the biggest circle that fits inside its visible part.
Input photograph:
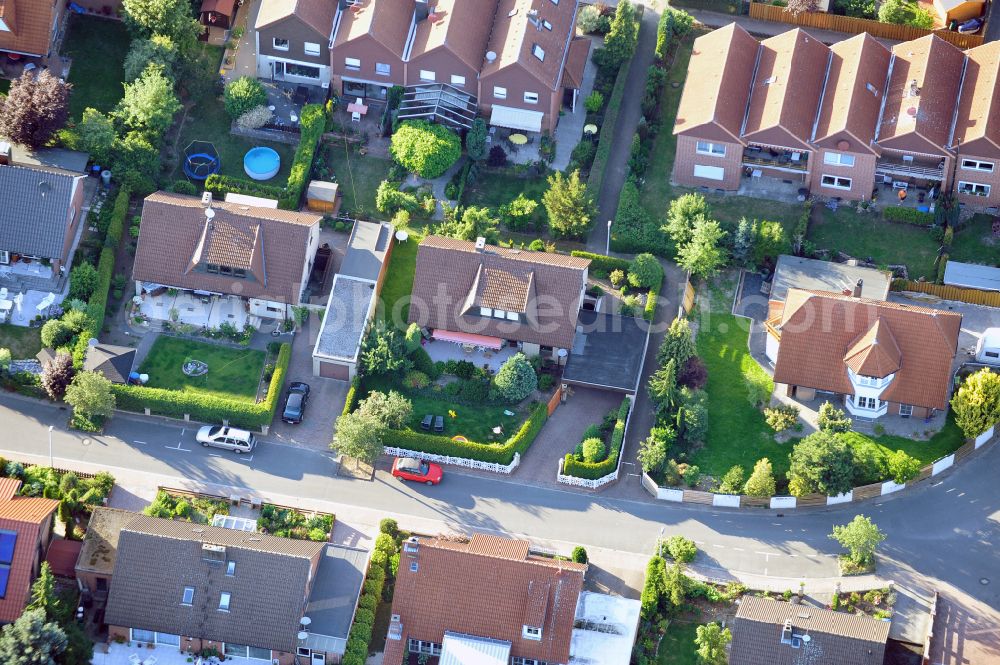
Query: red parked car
(411, 468)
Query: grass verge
(232, 373)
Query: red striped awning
(468, 338)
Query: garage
(329, 370)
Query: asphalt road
(944, 531)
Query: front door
(318, 659)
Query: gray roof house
(114, 362)
(40, 213)
(239, 591)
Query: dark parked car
(295, 402)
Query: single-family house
(211, 263)
(367, 46)
(352, 301)
(495, 297)
(30, 27)
(522, 79)
(780, 633)
(843, 136)
(41, 216)
(293, 41)
(977, 130)
(191, 587)
(25, 533)
(878, 357)
(798, 272)
(491, 601)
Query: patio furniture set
(436, 421)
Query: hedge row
(908, 216)
(484, 452)
(595, 470)
(360, 637)
(607, 135)
(607, 264)
(206, 408)
(633, 230)
(352, 396)
(652, 298)
(97, 306)
(220, 185)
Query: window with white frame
(975, 188)
(280, 44)
(383, 69)
(905, 410)
(977, 165)
(513, 316)
(352, 64)
(499, 314)
(870, 403)
(230, 568)
(538, 52)
(224, 599)
(457, 81)
(531, 633)
(836, 182)
(485, 311)
(187, 598)
(414, 566)
(709, 148)
(311, 48)
(423, 646)
(139, 635)
(499, 93)
(531, 98)
(427, 75)
(245, 651)
(838, 159)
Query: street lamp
(51, 465)
(608, 248)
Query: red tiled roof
(317, 14)
(30, 23)
(977, 130)
(462, 27)
(24, 516)
(386, 21)
(490, 587)
(875, 353)
(576, 62)
(515, 35)
(820, 335)
(62, 556)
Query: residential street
(946, 530)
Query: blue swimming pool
(262, 163)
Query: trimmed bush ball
(594, 450)
(425, 148)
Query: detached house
(208, 263)
(25, 533)
(29, 27)
(879, 357)
(492, 297)
(490, 601)
(293, 41)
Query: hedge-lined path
(628, 121)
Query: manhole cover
(87, 442)
(984, 580)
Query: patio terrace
(775, 158)
(489, 358)
(207, 311)
(120, 654)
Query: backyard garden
(77, 494)
(231, 373)
(98, 48)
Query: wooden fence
(555, 400)
(971, 296)
(824, 21)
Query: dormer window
(531, 633)
(217, 269)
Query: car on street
(419, 471)
(227, 438)
(295, 402)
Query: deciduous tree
(90, 395)
(682, 214)
(392, 409)
(861, 537)
(822, 462)
(164, 17)
(703, 255)
(425, 148)
(796, 7)
(158, 49)
(359, 435)
(57, 375)
(35, 108)
(977, 403)
(711, 640)
(149, 104)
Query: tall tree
(149, 103)
(172, 18)
(35, 108)
(662, 387)
(678, 343)
(744, 242)
(977, 403)
(822, 462)
(359, 435)
(475, 140)
(96, 134)
(569, 205)
(391, 409)
(57, 375)
(619, 43)
(861, 537)
(90, 395)
(711, 640)
(31, 640)
(43, 594)
(158, 49)
(470, 223)
(684, 211)
(761, 481)
(702, 255)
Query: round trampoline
(201, 160)
(262, 163)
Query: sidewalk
(768, 28)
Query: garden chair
(150, 661)
(426, 422)
(134, 659)
(438, 424)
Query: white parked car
(229, 438)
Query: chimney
(480, 244)
(857, 288)
(206, 199)
(421, 11)
(914, 88)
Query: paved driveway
(326, 399)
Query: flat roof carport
(608, 352)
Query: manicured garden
(97, 48)
(232, 373)
(496, 188)
(394, 305)
(677, 646)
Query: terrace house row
(516, 61)
(841, 120)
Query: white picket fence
(457, 461)
(586, 482)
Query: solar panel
(7, 541)
(4, 576)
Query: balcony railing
(785, 161)
(913, 169)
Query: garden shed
(972, 276)
(322, 196)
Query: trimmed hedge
(352, 397)
(601, 262)
(595, 470)
(206, 408)
(117, 224)
(519, 442)
(607, 135)
(220, 185)
(908, 216)
(633, 230)
(942, 264)
(649, 311)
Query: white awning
(458, 649)
(526, 121)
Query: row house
(843, 120)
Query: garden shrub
(352, 396)
(594, 450)
(244, 94)
(583, 155)
(220, 185)
(908, 216)
(579, 555)
(645, 272)
(782, 417)
(255, 118)
(592, 20)
(681, 549)
(416, 380)
(595, 470)
(633, 230)
(422, 363)
(82, 281)
(389, 526)
(368, 602)
(425, 148)
(361, 631)
(183, 187)
(516, 378)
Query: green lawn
(865, 235)
(98, 48)
(394, 299)
(359, 176)
(677, 646)
(975, 243)
(496, 188)
(476, 423)
(232, 373)
(23, 342)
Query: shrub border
(599, 166)
(595, 470)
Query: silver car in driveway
(227, 438)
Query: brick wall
(687, 157)
(980, 177)
(862, 176)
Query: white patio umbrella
(18, 299)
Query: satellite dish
(806, 639)
(302, 635)
(92, 341)
(562, 353)
(210, 213)
(305, 621)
